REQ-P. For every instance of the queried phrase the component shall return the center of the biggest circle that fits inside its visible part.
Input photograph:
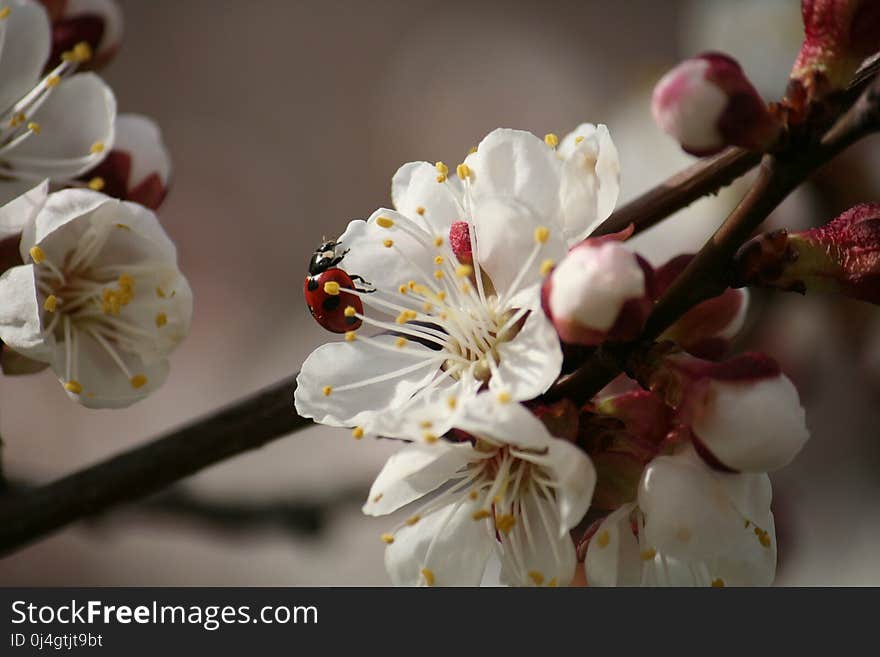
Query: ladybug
(329, 309)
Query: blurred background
(287, 119)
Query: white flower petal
(752, 426)
(59, 210)
(613, 553)
(575, 478)
(79, 113)
(590, 179)
(336, 364)
(531, 361)
(460, 548)
(20, 325)
(26, 43)
(506, 423)
(516, 165)
(547, 560)
(385, 268)
(21, 211)
(691, 515)
(414, 187)
(140, 137)
(415, 471)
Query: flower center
(81, 298)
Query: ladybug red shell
(329, 309)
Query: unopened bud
(838, 36)
(598, 292)
(707, 103)
(745, 414)
(843, 256)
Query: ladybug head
(325, 257)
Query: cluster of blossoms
(482, 290)
(90, 284)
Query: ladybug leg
(367, 290)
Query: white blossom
(456, 271)
(54, 126)
(514, 491)
(100, 297)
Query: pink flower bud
(745, 414)
(95, 22)
(138, 167)
(843, 256)
(600, 291)
(838, 36)
(707, 103)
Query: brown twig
(243, 426)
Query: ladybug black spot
(331, 303)
(313, 284)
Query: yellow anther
(482, 514)
(412, 520)
(503, 397)
(411, 285)
(420, 210)
(442, 169)
(438, 241)
(378, 497)
(430, 438)
(97, 184)
(578, 139)
(123, 226)
(349, 311)
(326, 390)
(504, 523)
(763, 537)
(403, 289)
(427, 307)
(331, 288)
(37, 254)
(387, 243)
(718, 583)
(73, 386)
(357, 433)
(160, 293)
(463, 171)
(17, 120)
(428, 575)
(452, 402)
(441, 295)
(4, 13)
(473, 495)
(552, 583)
(161, 320)
(542, 234)
(80, 53)
(463, 271)
(384, 222)
(536, 577)
(138, 381)
(648, 554)
(51, 303)
(547, 266)
(34, 127)
(551, 140)
(387, 539)
(97, 147)
(603, 538)
(438, 260)
(465, 288)
(400, 343)
(426, 424)
(402, 318)
(472, 150)
(350, 336)
(441, 179)
(53, 81)
(438, 274)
